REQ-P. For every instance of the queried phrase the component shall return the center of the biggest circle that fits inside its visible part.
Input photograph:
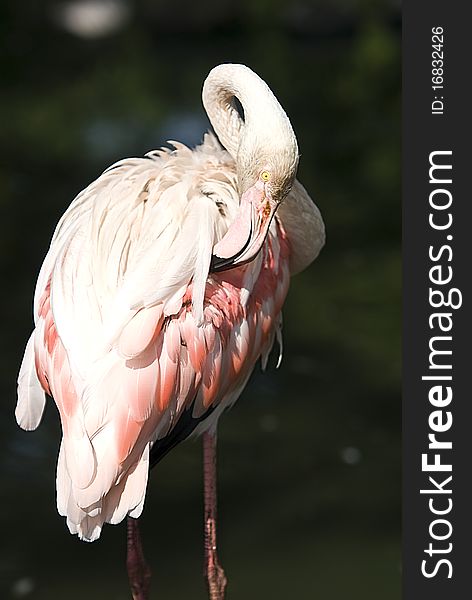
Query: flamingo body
(123, 378)
(162, 288)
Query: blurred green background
(310, 456)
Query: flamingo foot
(139, 573)
(214, 574)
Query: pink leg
(213, 573)
(139, 573)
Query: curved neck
(265, 123)
(304, 226)
(264, 139)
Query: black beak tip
(218, 264)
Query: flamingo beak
(247, 233)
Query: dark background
(310, 456)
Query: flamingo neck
(263, 139)
(265, 129)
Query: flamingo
(161, 290)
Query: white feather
(31, 397)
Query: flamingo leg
(213, 573)
(139, 573)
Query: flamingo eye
(265, 176)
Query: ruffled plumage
(132, 331)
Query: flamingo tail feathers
(31, 397)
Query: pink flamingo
(162, 288)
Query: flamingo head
(265, 185)
(264, 147)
